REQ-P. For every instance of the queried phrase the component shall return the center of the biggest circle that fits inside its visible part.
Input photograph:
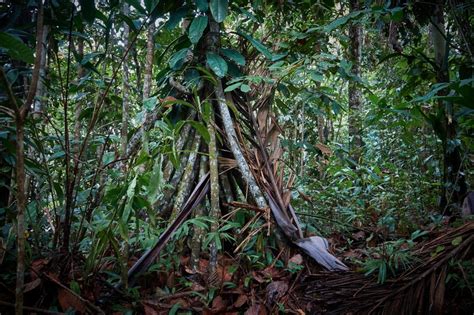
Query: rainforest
(236, 157)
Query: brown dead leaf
(297, 259)
(257, 277)
(241, 300)
(37, 266)
(358, 236)
(271, 272)
(218, 304)
(68, 300)
(256, 309)
(324, 149)
(149, 310)
(32, 285)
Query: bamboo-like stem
(188, 177)
(196, 241)
(214, 211)
(168, 193)
(20, 118)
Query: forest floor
(426, 283)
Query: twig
(89, 304)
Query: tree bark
(454, 183)
(355, 97)
(125, 88)
(38, 107)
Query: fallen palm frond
(421, 289)
(147, 259)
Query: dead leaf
(68, 300)
(325, 150)
(149, 310)
(358, 236)
(317, 248)
(275, 290)
(218, 304)
(32, 285)
(241, 300)
(297, 259)
(256, 309)
(257, 277)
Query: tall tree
(355, 95)
(454, 183)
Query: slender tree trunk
(150, 49)
(355, 98)
(454, 183)
(125, 88)
(78, 109)
(21, 205)
(147, 81)
(39, 105)
(21, 113)
(124, 129)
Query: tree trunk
(125, 89)
(355, 98)
(454, 183)
(38, 107)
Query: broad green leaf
(217, 64)
(233, 87)
(156, 180)
(177, 60)
(234, 55)
(176, 17)
(341, 21)
(219, 9)
(196, 29)
(131, 188)
(16, 49)
(245, 88)
(258, 45)
(150, 103)
(202, 5)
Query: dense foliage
(359, 112)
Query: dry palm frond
(421, 289)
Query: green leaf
(341, 21)
(457, 241)
(234, 55)
(201, 129)
(131, 188)
(196, 29)
(176, 17)
(174, 309)
(156, 181)
(258, 45)
(150, 103)
(217, 64)
(219, 9)
(233, 87)
(88, 10)
(245, 88)
(16, 49)
(177, 60)
(202, 5)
